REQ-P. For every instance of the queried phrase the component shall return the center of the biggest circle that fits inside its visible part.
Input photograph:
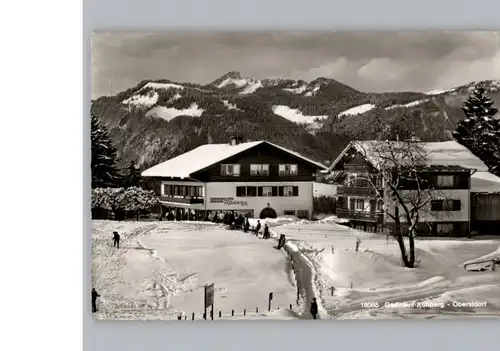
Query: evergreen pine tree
(133, 176)
(479, 131)
(103, 162)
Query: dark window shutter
(238, 191)
(280, 191)
(456, 205)
(259, 191)
(275, 191)
(434, 181)
(295, 191)
(433, 229)
(436, 205)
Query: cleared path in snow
(377, 275)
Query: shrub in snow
(121, 201)
(324, 204)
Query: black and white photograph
(290, 175)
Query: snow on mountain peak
(168, 113)
(166, 86)
(295, 115)
(357, 110)
(410, 104)
(148, 99)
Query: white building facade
(254, 179)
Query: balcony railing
(182, 199)
(358, 191)
(377, 217)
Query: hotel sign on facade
(228, 201)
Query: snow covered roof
(446, 153)
(183, 166)
(485, 182)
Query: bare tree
(396, 172)
(396, 165)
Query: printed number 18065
(369, 305)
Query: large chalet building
(257, 179)
(463, 196)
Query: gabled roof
(447, 154)
(485, 182)
(204, 156)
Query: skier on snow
(266, 232)
(116, 240)
(257, 228)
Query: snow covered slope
(161, 268)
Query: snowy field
(375, 276)
(161, 268)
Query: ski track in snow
(166, 284)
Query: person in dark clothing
(266, 232)
(95, 295)
(170, 216)
(116, 240)
(257, 228)
(246, 225)
(281, 241)
(314, 308)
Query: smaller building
(255, 179)
(485, 203)
(451, 174)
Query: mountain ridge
(159, 119)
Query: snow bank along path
(305, 275)
(378, 275)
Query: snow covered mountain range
(157, 120)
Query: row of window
(436, 205)
(298, 213)
(362, 205)
(362, 180)
(266, 191)
(258, 170)
(182, 190)
(445, 205)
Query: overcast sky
(367, 61)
